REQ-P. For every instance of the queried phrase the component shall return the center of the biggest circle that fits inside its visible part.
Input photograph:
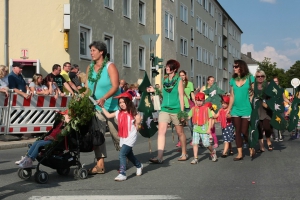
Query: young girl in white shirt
(128, 122)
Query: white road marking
(105, 197)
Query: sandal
(183, 157)
(98, 170)
(156, 160)
(270, 147)
(223, 155)
(259, 151)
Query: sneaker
(216, 146)
(27, 163)
(139, 171)
(121, 177)
(276, 140)
(178, 144)
(194, 161)
(213, 156)
(280, 139)
(20, 161)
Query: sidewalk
(23, 143)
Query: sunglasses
(235, 66)
(262, 76)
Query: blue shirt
(102, 87)
(16, 82)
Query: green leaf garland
(90, 77)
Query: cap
(17, 64)
(226, 99)
(200, 96)
(124, 94)
(63, 112)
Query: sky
(271, 28)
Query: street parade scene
(161, 124)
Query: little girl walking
(226, 125)
(128, 123)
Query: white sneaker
(120, 177)
(27, 163)
(20, 161)
(214, 156)
(139, 171)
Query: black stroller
(61, 156)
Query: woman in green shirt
(240, 107)
(172, 92)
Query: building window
(192, 67)
(126, 54)
(109, 4)
(199, 24)
(183, 13)
(183, 46)
(108, 39)
(199, 53)
(85, 38)
(192, 37)
(142, 16)
(192, 8)
(126, 8)
(142, 58)
(220, 63)
(169, 26)
(199, 81)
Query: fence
(33, 115)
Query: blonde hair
(261, 72)
(3, 69)
(82, 77)
(35, 78)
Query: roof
(228, 16)
(248, 59)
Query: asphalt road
(271, 175)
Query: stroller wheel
(41, 177)
(63, 172)
(24, 173)
(82, 173)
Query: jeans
(126, 152)
(34, 149)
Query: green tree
(272, 71)
(293, 72)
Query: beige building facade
(198, 33)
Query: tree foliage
(293, 72)
(272, 71)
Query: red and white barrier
(4, 113)
(33, 115)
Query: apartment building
(200, 34)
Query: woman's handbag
(156, 102)
(97, 129)
(191, 103)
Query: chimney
(249, 54)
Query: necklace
(90, 78)
(238, 78)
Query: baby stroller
(61, 156)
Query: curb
(23, 143)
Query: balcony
(224, 53)
(224, 32)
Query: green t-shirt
(189, 88)
(201, 129)
(241, 105)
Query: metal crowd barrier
(33, 115)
